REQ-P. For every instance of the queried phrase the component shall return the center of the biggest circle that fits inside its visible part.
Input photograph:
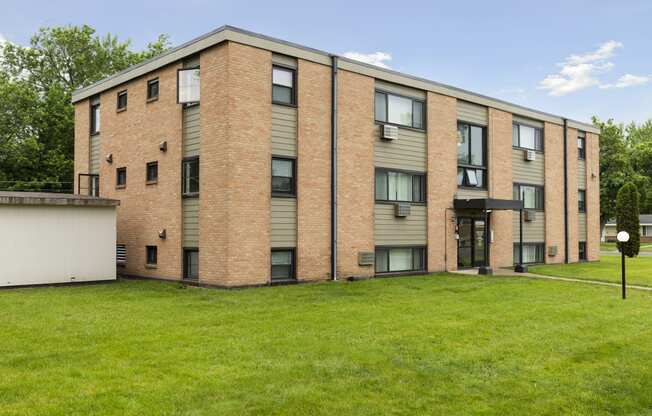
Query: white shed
(56, 238)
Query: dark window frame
(293, 264)
(151, 98)
(148, 255)
(148, 180)
(293, 192)
(469, 165)
(121, 94)
(581, 151)
(424, 256)
(424, 186)
(293, 92)
(581, 251)
(543, 194)
(542, 132)
(93, 129)
(184, 161)
(186, 251)
(118, 183)
(540, 254)
(424, 112)
(581, 203)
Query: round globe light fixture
(622, 237)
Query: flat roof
(46, 198)
(234, 34)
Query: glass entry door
(471, 243)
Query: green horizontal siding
(389, 230)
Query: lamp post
(623, 237)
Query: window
(532, 253)
(190, 177)
(527, 137)
(191, 263)
(122, 100)
(400, 259)
(151, 253)
(581, 200)
(582, 251)
(531, 195)
(188, 86)
(95, 118)
(282, 265)
(581, 149)
(283, 181)
(400, 186)
(152, 172)
(395, 109)
(283, 90)
(121, 177)
(152, 89)
(471, 156)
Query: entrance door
(471, 243)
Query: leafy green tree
(36, 114)
(627, 218)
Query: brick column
(82, 140)
(313, 171)
(355, 174)
(573, 211)
(554, 190)
(442, 183)
(593, 196)
(501, 186)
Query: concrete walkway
(512, 273)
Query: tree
(627, 213)
(36, 114)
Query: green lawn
(639, 270)
(438, 344)
(644, 247)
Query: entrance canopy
(488, 203)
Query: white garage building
(56, 238)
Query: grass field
(643, 248)
(639, 270)
(439, 344)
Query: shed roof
(45, 198)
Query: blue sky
(573, 58)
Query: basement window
(532, 253)
(282, 265)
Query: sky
(573, 58)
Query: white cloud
(628, 80)
(376, 58)
(581, 71)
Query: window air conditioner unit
(529, 215)
(401, 210)
(530, 155)
(388, 132)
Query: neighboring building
(56, 238)
(610, 230)
(220, 151)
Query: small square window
(122, 100)
(152, 172)
(152, 255)
(152, 89)
(121, 177)
(282, 265)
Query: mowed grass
(439, 344)
(638, 269)
(643, 247)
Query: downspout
(334, 167)
(565, 191)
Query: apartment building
(240, 160)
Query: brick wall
(82, 141)
(313, 171)
(501, 186)
(593, 196)
(573, 211)
(554, 191)
(235, 165)
(355, 173)
(133, 138)
(442, 182)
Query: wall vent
(552, 251)
(388, 132)
(121, 254)
(366, 258)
